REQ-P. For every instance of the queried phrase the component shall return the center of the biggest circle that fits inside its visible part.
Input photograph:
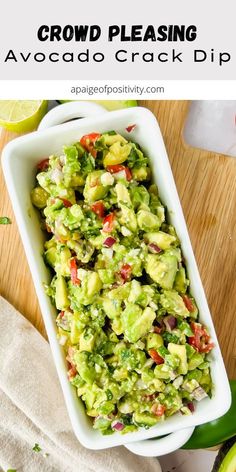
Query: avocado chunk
(147, 220)
(195, 361)
(72, 217)
(50, 256)
(61, 297)
(111, 307)
(145, 419)
(180, 351)
(140, 197)
(154, 341)
(117, 326)
(75, 331)
(120, 293)
(162, 269)
(93, 284)
(85, 366)
(181, 282)
(85, 293)
(122, 194)
(127, 217)
(141, 173)
(94, 190)
(62, 263)
(89, 398)
(87, 341)
(173, 303)
(162, 371)
(136, 323)
(161, 239)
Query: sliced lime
(21, 116)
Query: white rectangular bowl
(19, 163)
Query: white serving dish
(19, 162)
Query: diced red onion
(117, 425)
(154, 248)
(109, 241)
(170, 322)
(191, 406)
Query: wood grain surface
(206, 183)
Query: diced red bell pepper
(207, 348)
(108, 223)
(118, 168)
(125, 272)
(88, 141)
(157, 329)
(156, 357)
(195, 340)
(99, 209)
(72, 373)
(43, 165)
(130, 128)
(65, 202)
(158, 409)
(188, 303)
(200, 340)
(73, 272)
(128, 173)
(70, 356)
(48, 228)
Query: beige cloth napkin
(32, 410)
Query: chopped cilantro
(37, 448)
(4, 220)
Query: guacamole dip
(136, 350)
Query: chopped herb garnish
(4, 220)
(37, 448)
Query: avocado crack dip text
(136, 351)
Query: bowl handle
(69, 111)
(159, 447)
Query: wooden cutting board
(207, 188)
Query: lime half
(21, 116)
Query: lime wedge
(110, 104)
(21, 116)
